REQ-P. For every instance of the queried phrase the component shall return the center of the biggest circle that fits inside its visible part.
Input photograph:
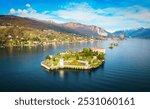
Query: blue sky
(111, 15)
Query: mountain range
(76, 28)
(134, 33)
(71, 27)
(88, 30)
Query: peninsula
(87, 58)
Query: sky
(112, 15)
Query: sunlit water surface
(126, 68)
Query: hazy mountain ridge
(33, 23)
(76, 28)
(71, 27)
(134, 33)
(89, 30)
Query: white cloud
(12, 11)
(109, 18)
(19, 11)
(31, 13)
(78, 13)
(45, 12)
(24, 11)
(28, 5)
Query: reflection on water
(65, 73)
(61, 73)
(126, 68)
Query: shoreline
(57, 43)
(87, 58)
(71, 67)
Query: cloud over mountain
(110, 18)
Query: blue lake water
(126, 68)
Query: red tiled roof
(97, 47)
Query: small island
(86, 58)
(113, 44)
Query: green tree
(101, 56)
(87, 52)
(77, 56)
(48, 57)
(70, 51)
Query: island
(113, 44)
(87, 58)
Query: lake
(126, 68)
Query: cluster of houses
(85, 63)
(98, 49)
(95, 49)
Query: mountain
(71, 27)
(75, 28)
(19, 31)
(88, 30)
(134, 33)
(21, 21)
(33, 23)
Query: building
(51, 56)
(61, 63)
(98, 49)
